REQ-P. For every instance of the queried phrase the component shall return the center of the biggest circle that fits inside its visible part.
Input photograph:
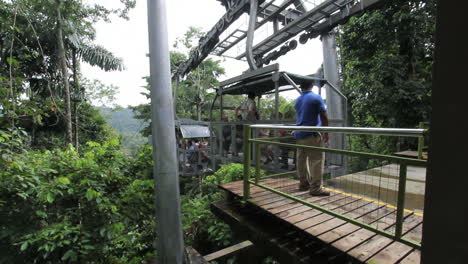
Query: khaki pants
(310, 162)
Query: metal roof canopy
(195, 131)
(263, 81)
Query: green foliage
(123, 120)
(62, 206)
(92, 127)
(11, 143)
(387, 57)
(30, 79)
(202, 228)
(267, 108)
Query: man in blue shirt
(310, 111)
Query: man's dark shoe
(319, 192)
(303, 187)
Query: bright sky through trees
(128, 39)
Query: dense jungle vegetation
(75, 190)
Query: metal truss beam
(209, 41)
(326, 21)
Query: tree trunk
(77, 93)
(63, 66)
(199, 108)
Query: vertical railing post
(401, 200)
(257, 162)
(247, 161)
(420, 142)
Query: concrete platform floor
(381, 184)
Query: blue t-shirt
(308, 107)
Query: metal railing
(250, 143)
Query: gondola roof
(264, 83)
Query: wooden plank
(358, 237)
(391, 254)
(302, 216)
(336, 222)
(293, 211)
(355, 241)
(307, 223)
(238, 189)
(377, 242)
(344, 230)
(266, 205)
(237, 186)
(307, 211)
(277, 198)
(312, 199)
(267, 194)
(229, 251)
(333, 222)
(298, 210)
(413, 258)
(415, 233)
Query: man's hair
(251, 95)
(306, 85)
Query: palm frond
(97, 55)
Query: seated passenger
(239, 136)
(226, 135)
(248, 109)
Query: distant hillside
(122, 120)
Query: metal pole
(170, 242)
(420, 142)
(221, 104)
(334, 101)
(275, 25)
(177, 79)
(247, 160)
(257, 162)
(250, 34)
(276, 133)
(401, 201)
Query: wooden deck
(358, 243)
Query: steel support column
(333, 100)
(170, 242)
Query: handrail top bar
(408, 132)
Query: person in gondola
(310, 111)
(248, 109)
(226, 135)
(239, 135)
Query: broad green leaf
(63, 180)
(68, 254)
(41, 213)
(50, 197)
(90, 194)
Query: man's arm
(324, 119)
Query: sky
(129, 40)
